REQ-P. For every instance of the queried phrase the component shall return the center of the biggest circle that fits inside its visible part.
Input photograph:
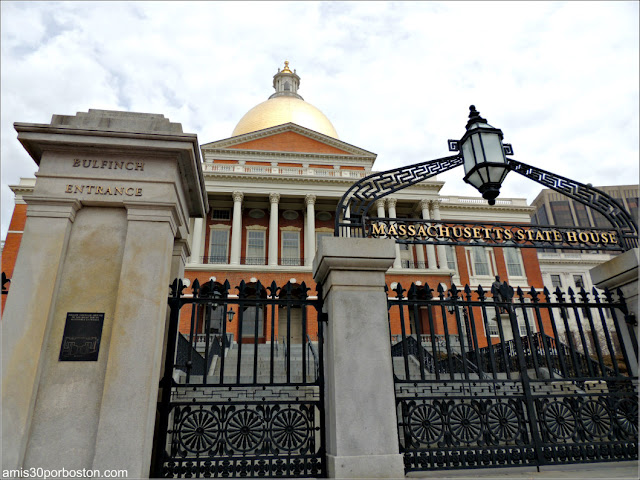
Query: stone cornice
(289, 127)
(270, 179)
(269, 155)
(456, 206)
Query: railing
(224, 260)
(291, 261)
(529, 398)
(241, 415)
(536, 348)
(215, 259)
(253, 260)
(297, 171)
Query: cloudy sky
(560, 79)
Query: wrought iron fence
(5, 281)
(555, 386)
(229, 409)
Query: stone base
(366, 466)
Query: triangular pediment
(288, 137)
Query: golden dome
(281, 110)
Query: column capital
(237, 196)
(181, 249)
(274, 197)
(155, 212)
(435, 204)
(380, 203)
(39, 206)
(309, 199)
(391, 202)
(424, 204)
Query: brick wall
(289, 142)
(12, 243)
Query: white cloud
(560, 79)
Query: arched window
(287, 86)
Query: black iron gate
(491, 380)
(242, 394)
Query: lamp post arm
(590, 196)
(362, 194)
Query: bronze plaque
(81, 338)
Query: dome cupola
(285, 106)
(286, 83)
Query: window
(480, 262)
(581, 213)
(600, 220)
(290, 248)
(493, 328)
(255, 247)
(513, 259)
(221, 214)
(561, 213)
(214, 316)
(451, 256)
(542, 216)
(522, 327)
(578, 281)
(249, 322)
(320, 236)
(555, 281)
(218, 246)
(633, 206)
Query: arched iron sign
(484, 157)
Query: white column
(391, 202)
(274, 198)
(310, 231)
(347, 214)
(380, 206)
(431, 251)
(236, 231)
(420, 256)
(442, 254)
(197, 241)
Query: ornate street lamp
(483, 155)
(485, 163)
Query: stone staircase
(263, 365)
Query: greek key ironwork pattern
(249, 409)
(537, 394)
(362, 194)
(587, 195)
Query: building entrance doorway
(290, 325)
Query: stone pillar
(442, 254)
(431, 250)
(130, 392)
(236, 229)
(622, 272)
(31, 301)
(198, 241)
(391, 202)
(274, 198)
(310, 230)
(109, 209)
(360, 406)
